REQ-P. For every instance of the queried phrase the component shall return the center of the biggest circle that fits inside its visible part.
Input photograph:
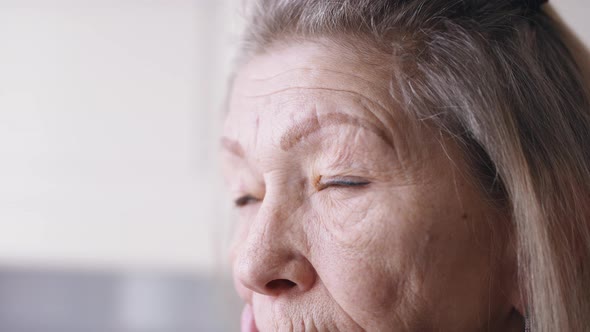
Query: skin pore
(352, 216)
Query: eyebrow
(309, 126)
(232, 146)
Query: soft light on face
(352, 216)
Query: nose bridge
(271, 234)
(270, 252)
(274, 224)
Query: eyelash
(341, 183)
(245, 200)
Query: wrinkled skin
(353, 216)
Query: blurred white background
(109, 112)
(110, 195)
(111, 205)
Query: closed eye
(245, 200)
(347, 182)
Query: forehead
(326, 65)
(309, 84)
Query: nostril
(280, 284)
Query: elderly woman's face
(351, 216)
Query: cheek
(365, 291)
(369, 251)
(401, 251)
(374, 281)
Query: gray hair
(496, 76)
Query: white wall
(574, 16)
(108, 125)
(108, 113)
(575, 13)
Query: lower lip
(248, 323)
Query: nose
(270, 261)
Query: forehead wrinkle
(355, 93)
(313, 124)
(319, 70)
(301, 88)
(284, 72)
(374, 102)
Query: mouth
(248, 322)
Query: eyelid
(342, 181)
(245, 200)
